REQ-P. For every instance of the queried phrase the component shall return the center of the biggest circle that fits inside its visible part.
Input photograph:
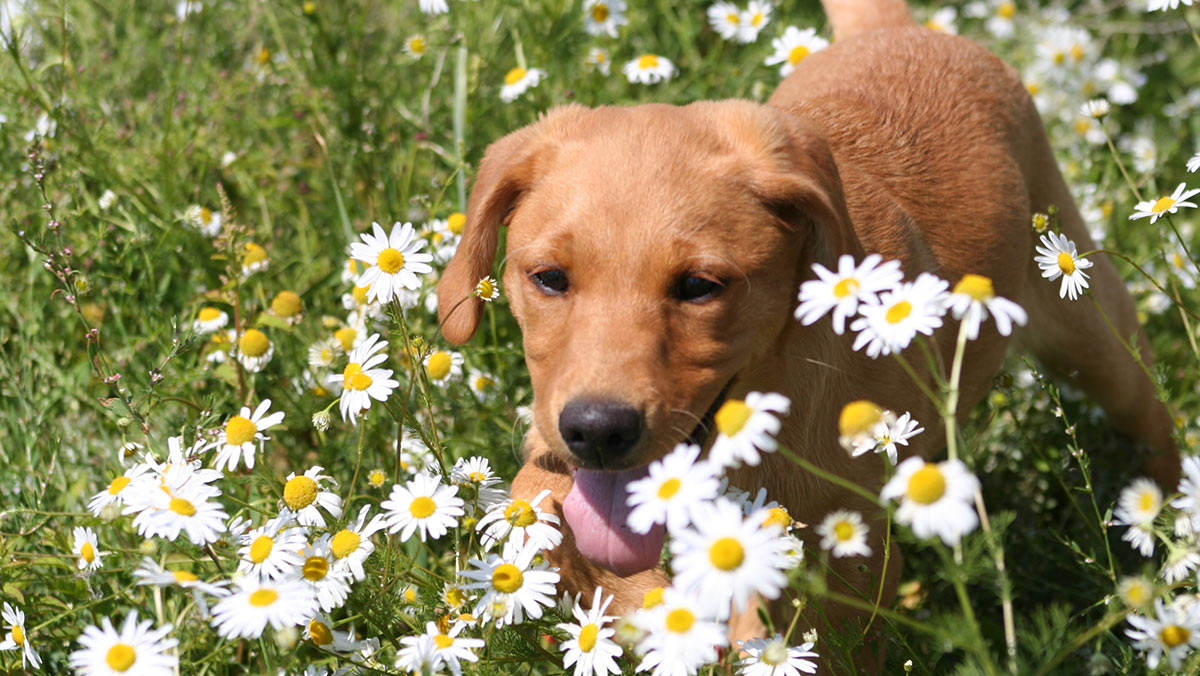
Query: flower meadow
(235, 441)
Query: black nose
(600, 433)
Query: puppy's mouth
(597, 511)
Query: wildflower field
(234, 441)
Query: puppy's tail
(851, 17)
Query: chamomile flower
(170, 513)
(288, 306)
(889, 326)
(843, 533)
(475, 476)
(454, 596)
(649, 69)
(135, 649)
(842, 292)
(598, 60)
(773, 657)
(115, 491)
(87, 549)
(726, 19)
(394, 261)
(320, 631)
(794, 46)
(1096, 108)
(1136, 592)
(725, 556)
(887, 436)
(442, 366)
(209, 319)
(254, 350)
(755, 17)
(1141, 537)
(207, 221)
(416, 46)
(150, 573)
(1139, 503)
(590, 646)
(513, 588)
(487, 290)
(482, 384)
(519, 520)
(433, 7)
(935, 498)
(746, 427)
(1172, 632)
(323, 353)
(680, 637)
(1058, 257)
(331, 585)
(243, 435)
(307, 497)
(254, 259)
(255, 603)
(858, 424)
(943, 21)
(1193, 165)
(376, 478)
(974, 298)
(604, 17)
(671, 493)
(1187, 521)
(519, 80)
(1180, 565)
(352, 545)
(361, 381)
(442, 650)
(1156, 209)
(425, 506)
(16, 638)
(349, 336)
(272, 550)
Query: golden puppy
(655, 252)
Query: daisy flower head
(680, 637)
(424, 505)
(604, 17)
(475, 479)
(394, 260)
(433, 7)
(889, 326)
(86, 548)
(520, 521)
(858, 423)
(436, 650)
(1167, 204)
(136, 648)
(307, 496)
(1141, 537)
(512, 586)
(597, 59)
(793, 47)
(843, 533)
(726, 19)
(676, 485)
(150, 573)
(254, 350)
(207, 221)
(288, 306)
(1139, 503)
(482, 384)
(1179, 565)
(443, 366)
(323, 353)
(754, 18)
(1058, 257)
(1096, 108)
(745, 427)
(209, 319)
(167, 513)
(1173, 631)
(243, 435)
(519, 80)
(943, 21)
(590, 646)
(773, 657)
(352, 545)
(416, 46)
(1136, 592)
(16, 638)
(254, 259)
(649, 69)
(361, 381)
(320, 631)
(487, 289)
(330, 585)
(1187, 521)
(935, 498)
(843, 291)
(272, 550)
(1193, 165)
(974, 298)
(726, 556)
(255, 603)
(114, 493)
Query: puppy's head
(653, 253)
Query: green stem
(829, 476)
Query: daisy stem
(1121, 165)
(1004, 584)
(829, 476)
(1174, 297)
(960, 589)
(460, 121)
(362, 441)
(950, 413)
(1191, 28)
(1133, 352)
(1101, 627)
(887, 557)
(916, 378)
(1182, 242)
(158, 606)
(1184, 317)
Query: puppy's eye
(553, 282)
(697, 289)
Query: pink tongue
(596, 511)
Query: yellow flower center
(346, 336)
(315, 568)
(858, 417)
(299, 492)
(1006, 11)
(778, 516)
(652, 598)
(261, 548)
(1066, 263)
(438, 365)
(254, 343)
(726, 554)
(410, 595)
(477, 477)
(484, 383)
(118, 485)
(456, 222)
(182, 506)
(417, 45)
(1146, 501)
(1059, 57)
(455, 597)
(287, 304)
(1083, 125)
(927, 485)
(520, 514)
(184, 576)
(376, 479)
(390, 260)
(206, 215)
(843, 530)
(360, 294)
(669, 488)
(1173, 635)
(88, 552)
(1162, 205)
(309, 7)
(320, 633)
(1077, 53)
(254, 254)
(733, 19)
(647, 61)
(263, 598)
(732, 417)
(354, 377)
(898, 312)
(422, 507)
(443, 641)
(239, 430)
(587, 637)
(345, 543)
(514, 76)
(507, 578)
(208, 314)
(120, 657)
(485, 288)
(600, 12)
(757, 19)
(976, 286)
(264, 55)
(846, 286)
(680, 620)
(18, 635)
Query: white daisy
(1193, 165)
(416, 46)
(590, 646)
(482, 383)
(171, 512)
(323, 353)
(352, 545)
(150, 573)
(858, 424)
(16, 638)
(306, 496)
(434, 7)
(1139, 504)
(272, 550)
(331, 585)
(513, 587)
(116, 489)
(86, 548)
(254, 350)
(726, 19)
(1164, 5)
(973, 298)
(1096, 108)
(935, 498)
(207, 221)
(889, 326)
(135, 649)
(209, 319)
(1187, 521)
(423, 505)
(487, 289)
(843, 291)
(1135, 592)
(888, 435)
(598, 60)
(475, 476)
(943, 21)
(243, 435)
(793, 47)
(746, 427)
(676, 485)
(755, 18)
(1173, 632)
(361, 381)
(519, 520)
(679, 636)
(1179, 565)
(1156, 209)
(843, 533)
(434, 650)
(1182, 266)
(395, 260)
(320, 631)
(773, 657)
(442, 367)
(1058, 257)
(255, 603)
(519, 80)
(604, 17)
(649, 69)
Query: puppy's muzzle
(600, 433)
